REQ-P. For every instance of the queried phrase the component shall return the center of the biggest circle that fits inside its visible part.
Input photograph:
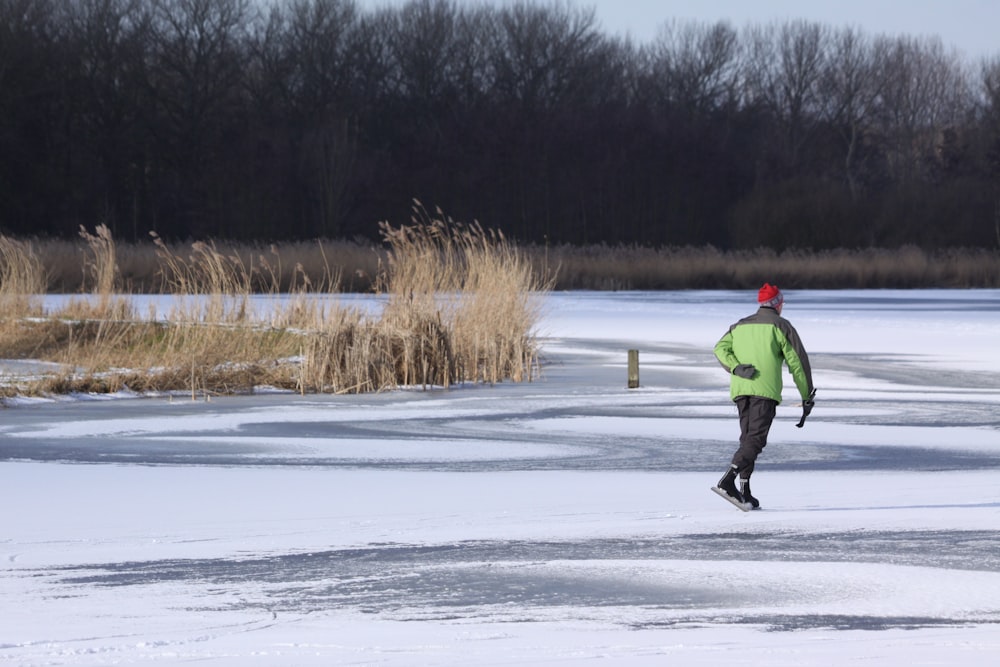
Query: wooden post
(633, 369)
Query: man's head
(769, 296)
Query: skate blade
(745, 507)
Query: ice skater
(753, 352)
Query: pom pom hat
(770, 296)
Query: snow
(563, 521)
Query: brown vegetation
(459, 308)
(460, 304)
(632, 267)
(349, 266)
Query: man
(753, 352)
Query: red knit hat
(770, 296)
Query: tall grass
(470, 293)
(641, 268)
(22, 279)
(22, 282)
(354, 266)
(461, 304)
(449, 317)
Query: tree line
(293, 119)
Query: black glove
(745, 371)
(807, 407)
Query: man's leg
(756, 415)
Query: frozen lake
(564, 521)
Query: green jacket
(764, 340)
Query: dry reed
(353, 266)
(470, 293)
(22, 279)
(461, 304)
(642, 268)
(449, 317)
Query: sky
(967, 25)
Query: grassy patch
(459, 307)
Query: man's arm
(724, 352)
(798, 361)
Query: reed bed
(22, 279)
(461, 304)
(353, 266)
(641, 268)
(459, 307)
(447, 277)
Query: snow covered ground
(566, 521)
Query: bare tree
(319, 43)
(542, 54)
(924, 91)
(784, 66)
(851, 89)
(545, 62)
(990, 80)
(427, 52)
(33, 115)
(197, 51)
(372, 66)
(26, 38)
(990, 88)
(196, 59)
(107, 40)
(269, 73)
(696, 66)
(473, 76)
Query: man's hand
(807, 407)
(746, 371)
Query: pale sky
(971, 26)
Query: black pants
(756, 415)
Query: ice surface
(565, 521)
